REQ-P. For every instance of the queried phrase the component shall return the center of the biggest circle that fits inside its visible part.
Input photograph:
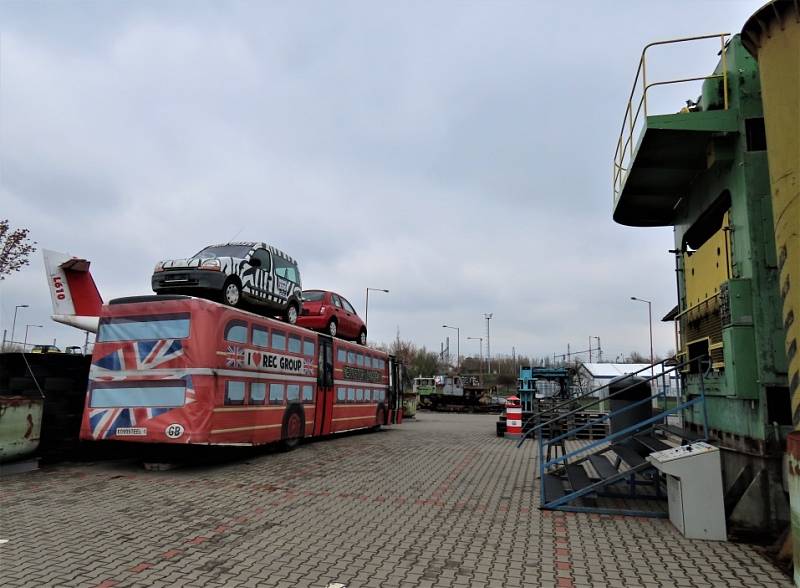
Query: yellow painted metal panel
(708, 267)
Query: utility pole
(14, 322)
(488, 317)
(650, 322)
(458, 345)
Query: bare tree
(15, 248)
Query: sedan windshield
(313, 295)
(223, 251)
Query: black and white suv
(236, 273)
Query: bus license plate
(131, 432)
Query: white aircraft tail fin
(76, 300)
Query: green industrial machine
(704, 171)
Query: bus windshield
(144, 328)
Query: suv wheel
(332, 328)
(232, 294)
(291, 314)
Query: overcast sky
(456, 153)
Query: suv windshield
(223, 251)
(313, 295)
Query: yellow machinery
(772, 35)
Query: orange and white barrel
(513, 417)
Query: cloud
(457, 154)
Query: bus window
(351, 394)
(236, 331)
(308, 393)
(359, 359)
(308, 347)
(234, 392)
(368, 395)
(367, 361)
(150, 394)
(359, 394)
(341, 394)
(260, 336)
(258, 392)
(276, 393)
(293, 392)
(138, 328)
(351, 357)
(278, 340)
(294, 344)
(341, 355)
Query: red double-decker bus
(177, 369)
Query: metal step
(603, 466)
(577, 476)
(628, 455)
(680, 433)
(651, 443)
(578, 480)
(553, 488)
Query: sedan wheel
(332, 328)
(362, 337)
(232, 294)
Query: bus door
(323, 415)
(395, 405)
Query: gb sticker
(174, 431)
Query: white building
(595, 375)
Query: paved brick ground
(439, 501)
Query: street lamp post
(480, 346)
(25, 343)
(488, 317)
(458, 345)
(14, 322)
(650, 320)
(366, 306)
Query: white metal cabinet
(694, 489)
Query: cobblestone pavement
(439, 501)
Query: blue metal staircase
(580, 476)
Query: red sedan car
(331, 313)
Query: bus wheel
(292, 429)
(379, 419)
(231, 293)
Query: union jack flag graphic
(139, 356)
(234, 356)
(105, 421)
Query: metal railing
(625, 146)
(574, 401)
(545, 463)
